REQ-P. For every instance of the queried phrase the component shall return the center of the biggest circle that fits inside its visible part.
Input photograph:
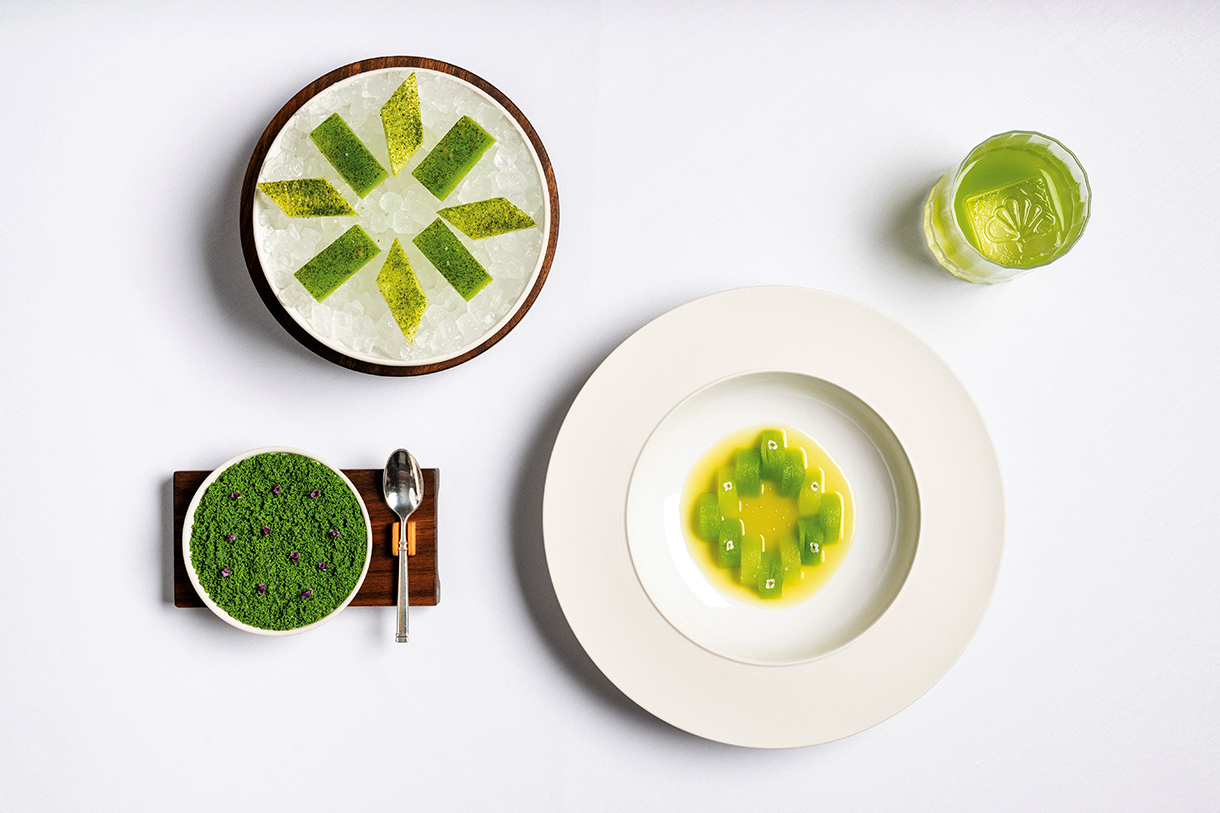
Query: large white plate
(911, 593)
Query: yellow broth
(770, 515)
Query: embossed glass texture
(1018, 201)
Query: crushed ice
(355, 317)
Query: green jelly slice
(348, 155)
(728, 543)
(404, 129)
(709, 517)
(810, 499)
(831, 517)
(751, 558)
(790, 555)
(457, 265)
(455, 155)
(402, 291)
(749, 483)
(771, 443)
(487, 218)
(771, 575)
(793, 472)
(334, 264)
(307, 197)
(809, 539)
(730, 505)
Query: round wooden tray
(249, 186)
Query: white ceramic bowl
(887, 514)
(189, 521)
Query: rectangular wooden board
(380, 588)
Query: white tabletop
(697, 149)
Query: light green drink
(1018, 201)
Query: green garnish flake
(348, 155)
(402, 291)
(455, 263)
(487, 218)
(454, 156)
(404, 129)
(333, 265)
(308, 197)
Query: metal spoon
(403, 486)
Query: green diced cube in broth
(771, 445)
(751, 558)
(708, 512)
(771, 575)
(746, 476)
(729, 543)
(809, 501)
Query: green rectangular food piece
(730, 505)
(455, 155)
(402, 291)
(404, 129)
(487, 218)
(348, 155)
(746, 475)
(307, 197)
(790, 555)
(751, 558)
(333, 265)
(708, 512)
(810, 499)
(793, 473)
(831, 517)
(457, 265)
(809, 538)
(728, 544)
(771, 444)
(771, 575)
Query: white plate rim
(885, 668)
(189, 522)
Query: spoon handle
(403, 553)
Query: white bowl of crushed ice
(402, 217)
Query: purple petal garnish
(235, 495)
(294, 556)
(276, 490)
(266, 530)
(224, 571)
(230, 537)
(314, 494)
(321, 565)
(262, 588)
(307, 594)
(334, 533)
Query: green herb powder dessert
(404, 128)
(402, 291)
(278, 541)
(455, 155)
(455, 263)
(307, 197)
(487, 218)
(348, 155)
(333, 265)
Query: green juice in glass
(1018, 201)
